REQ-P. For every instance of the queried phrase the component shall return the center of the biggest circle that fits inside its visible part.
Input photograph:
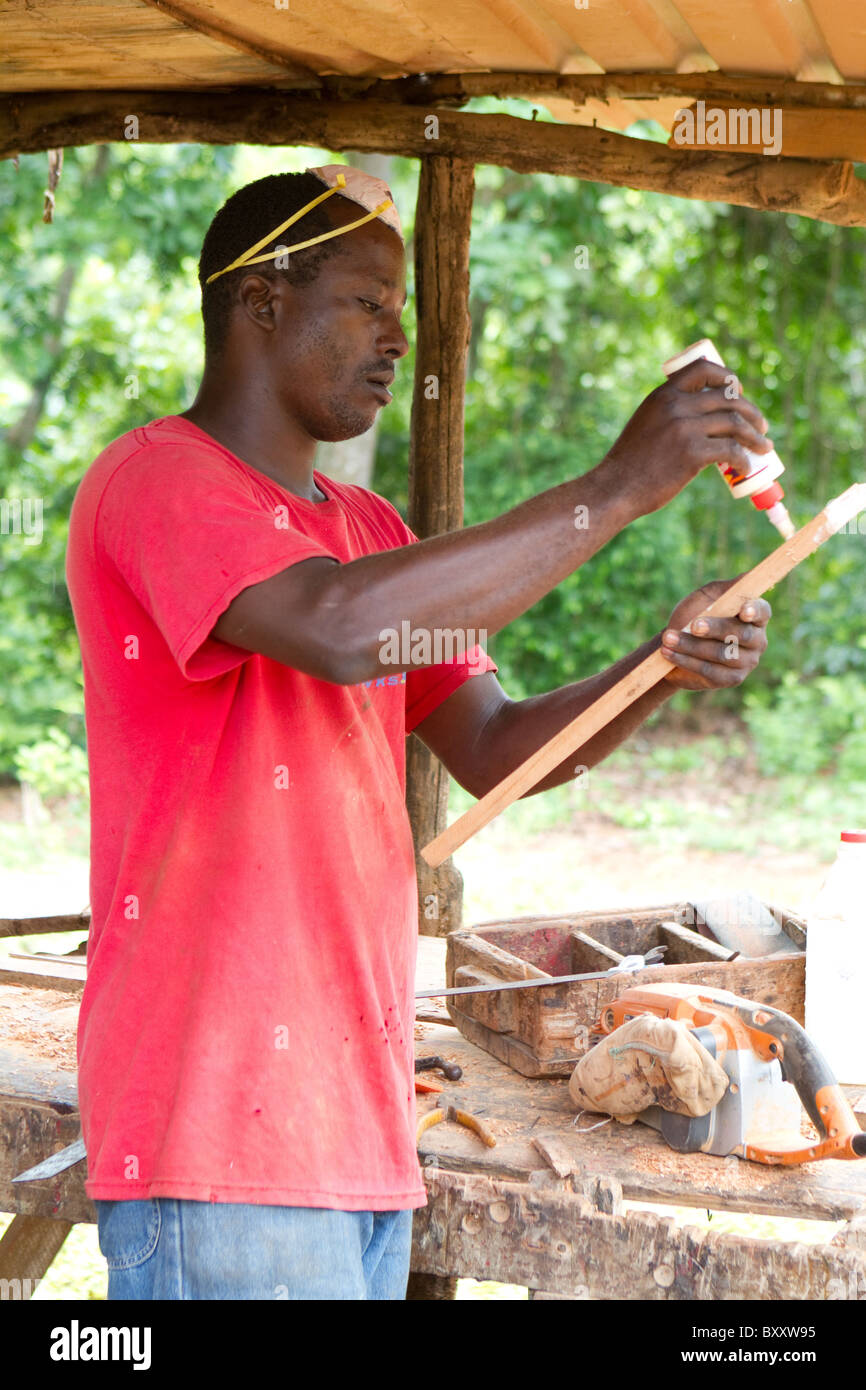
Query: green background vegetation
(100, 330)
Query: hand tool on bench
(50, 1167)
(644, 676)
(760, 1049)
(427, 1087)
(628, 965)
(449, 1070)
(460, 1117)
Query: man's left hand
(719, 652)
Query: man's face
(338, 333)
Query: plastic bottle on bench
(836, 962)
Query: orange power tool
(761, 1049)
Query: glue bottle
(757, 481)
(836, 962)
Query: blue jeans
(167, 1248)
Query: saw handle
(821, 1095)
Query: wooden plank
(648, 673)
(519, 1110)
(430, 973)
(687, 945)
(595, 955)
(430, 963)
(442, 226)
(27, 1250)
(70, 978)
(561, 1160)
(432, 1011)
(31, 926)
(555, 1240)
(804, 134)
(227, 33)
(830, 191)
(48, 957)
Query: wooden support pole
(812, 188)
(30, 926)
(442, 227)
(647, 674)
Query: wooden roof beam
(829, 191)
(457, 88)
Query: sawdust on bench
(43, 1023)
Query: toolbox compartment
(544, 1032)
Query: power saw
(771, 1066)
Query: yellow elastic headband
(250, 258)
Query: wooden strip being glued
(651, 670)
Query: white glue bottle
(836, 962)
(758, 481)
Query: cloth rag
(648, 1061)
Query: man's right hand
(679, 429)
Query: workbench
(546, 1208)
(549, 1206)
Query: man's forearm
(518, 729)
(326, 619)
(329, 619)
(479, 579)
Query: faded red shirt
(246, 1030)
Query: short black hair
(243, 220)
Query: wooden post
(442, 228)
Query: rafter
(191, 19)
(826, 190)
(458, 88)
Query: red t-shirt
(246, 1030)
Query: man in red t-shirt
(245, 1044)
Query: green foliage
(561, 356)
(100, 329)
(54, 766)
(809, 726)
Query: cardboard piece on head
(369, 193)
(365, 190)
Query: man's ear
(258, 298)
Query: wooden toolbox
(543, 1032)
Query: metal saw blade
(50, 1167)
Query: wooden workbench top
(520, 1111)
(38, 1115)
